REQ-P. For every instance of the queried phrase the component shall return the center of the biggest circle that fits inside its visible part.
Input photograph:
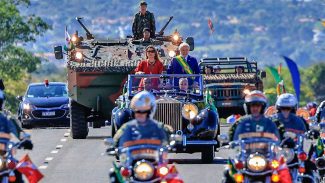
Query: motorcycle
(145, 163)
(292, 149)
(8, 163)
(256, 161)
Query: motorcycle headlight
(287, 153)
(143, 170)
(256, 163)
(189, 111)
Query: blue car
(44, 103)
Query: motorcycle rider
(287, 121)
(254, 121)
(143, 128)
(8, 127)
(254, 124)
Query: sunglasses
(285, 108)
(142, 112)
(151, 51)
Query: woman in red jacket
(152, 65)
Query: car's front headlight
(65, 106)
(27, 106)
(256, 163)
(143, 170)
(189, 111)
(287, 153)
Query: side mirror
(223, 138)
(190, 41)
(263, 74)
(20, 98)
(58, 52)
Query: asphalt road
(62, 159)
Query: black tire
(113, 177)
(78, 123)
(97, 124)
(207, 156)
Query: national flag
(295, 75)
(319, 149)
(278, 79)
(69, 45)
(210, 24)
(118, 173)
(275, 74)
(231, 168)
(209, 101)
(284, 172)
(26, 167)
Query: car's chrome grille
(228, 92)
(170, 113)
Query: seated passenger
(183, 85)
(208, 70)
(239, 70)
(216, 69)
(152, 65)
(147, 86)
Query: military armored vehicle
(227, 85)
(98, 69)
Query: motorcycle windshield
(258, 145)
(138, 152)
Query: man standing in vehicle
(143, 19)
(143, 129)
(184, 64)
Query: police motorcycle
(8, 163)
(144, 161)
(256, 160)
(292, 149)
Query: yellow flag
(323, 23)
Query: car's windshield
(47, 91)
(166, 83)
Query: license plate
(48, 113)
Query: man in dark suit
(184, 64)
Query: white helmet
(144, 102)
(287, 100)
(255, 97)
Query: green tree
(15, 62)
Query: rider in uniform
(143, 128)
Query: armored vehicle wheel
(207, 155)
(78, 123)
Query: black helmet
(143, 3)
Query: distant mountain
(261, 29)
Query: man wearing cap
(184, 64)
(143, 19)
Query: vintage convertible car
(183, 110)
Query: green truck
(228, 80)
(98, 69)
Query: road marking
(66, 134)
(59, 146)
(54, 151)
(63, 140)
(49, 159)
(42, 167)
